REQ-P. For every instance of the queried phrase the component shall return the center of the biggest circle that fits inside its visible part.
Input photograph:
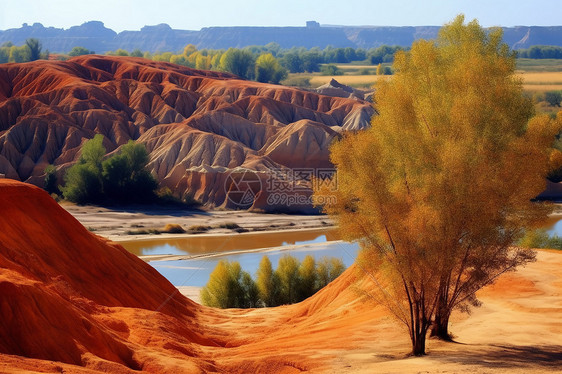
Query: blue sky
(193, 15)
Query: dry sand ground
(518, 329)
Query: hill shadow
(157, 210)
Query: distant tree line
(30, 51)
(269, 63)
(293, 281)
(541, 52)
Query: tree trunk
(418, 343)
(440, 327)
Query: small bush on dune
(198, 228)
(229, 225)
(173, 228)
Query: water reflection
(553, 225)
(196, 271)
(201, 244)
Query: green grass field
(546, 65)
(539, 77)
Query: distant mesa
(95, 36)
(203, 129)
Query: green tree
(293, 62)
(19, 54)
(267, 282)
(4, 54)
(79, 51)
(330, 70)
(125, 177)
(51, 180)
(328, 269)
(250, 292)
(308, 276)
(218, 292)
(137, 53)
(239, 62)
(118, 52)
(268, 69)
(122, 178)
(83, 182)
(35, 47)
(311, 61)
(288, 273)
(436, 194)
(93, 152)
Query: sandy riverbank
(120, 224)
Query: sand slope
(72, 302)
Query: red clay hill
(73, 302)
(204, 130)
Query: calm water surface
(201, 244)
(196, 271)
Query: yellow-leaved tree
(440, 187)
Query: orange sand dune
(73, 302)
(197, 125)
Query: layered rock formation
(204, 130)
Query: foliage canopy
(440, 186)
(122, 178)
(291, 282)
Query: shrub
(229, 225)
(330, 70)
(82, 184)
(173, 228)
(539, 238)
(198, 228)
(297, 81)
(553, 98)
(51, 180)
